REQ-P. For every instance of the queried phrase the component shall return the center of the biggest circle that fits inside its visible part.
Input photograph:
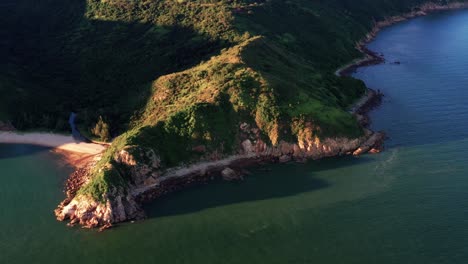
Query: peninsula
(188, 90)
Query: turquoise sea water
(406, 205)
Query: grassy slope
(172, 75)
(96, 58)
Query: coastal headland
(241, 92)
(149, 183)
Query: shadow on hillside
(277, 182)
(64, 62)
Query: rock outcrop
(118, 204)
(148, 179)
(141, 164)
(229, 174)
(373, 144)
(89, 212)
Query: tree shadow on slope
(270, 182)
(55, 60)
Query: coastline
(125, 206)
(147, 182)
(59, 142)
(232, 168)
(373, 58)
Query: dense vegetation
(172, 75)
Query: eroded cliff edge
(235, 111)
(149, 180)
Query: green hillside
(172, 75)
(98, 58)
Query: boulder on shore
(284, 159)
(372, 145)
(229, 174)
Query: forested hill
(99, 58)
(173, 75)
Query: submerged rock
(229, 174)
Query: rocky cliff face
(147, 179)
(119, 204)
(91, 213)
(140, 164)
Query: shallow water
(406, 205)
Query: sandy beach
(56, 141)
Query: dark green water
(407, 205)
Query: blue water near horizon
(408, 204)
(429, 89)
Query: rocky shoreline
(373, 58)
(148, 181)
(370, 58)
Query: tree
(101, 130)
